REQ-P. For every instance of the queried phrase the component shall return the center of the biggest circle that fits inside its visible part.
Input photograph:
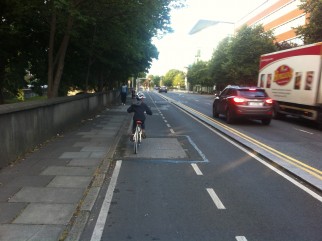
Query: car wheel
(266, 122)
(229, 116)
(215, 114)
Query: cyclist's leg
(133, 130)
(133, 126)
(143, 130)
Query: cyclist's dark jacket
(139, 108)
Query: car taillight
(239, 100)
(269, 101)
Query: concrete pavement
(47, 195)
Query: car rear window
(252, 93)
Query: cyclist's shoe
(143, 135)
(132, 138)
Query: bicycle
(137, 137)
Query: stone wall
(25, 125)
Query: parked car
(163, 89)
(243, 102)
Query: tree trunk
(56, 66)
(2, 74)
(50, 93)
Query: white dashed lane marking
(241, 238)
(196, 168)
(215, 198)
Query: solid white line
(241, 238)
(196, 168)
(101, 220)
(198, 150)
(215, 198)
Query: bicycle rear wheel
(136, 147)
(136, 140)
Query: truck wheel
(266, 122)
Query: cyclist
(139, 108)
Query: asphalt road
(190, 183)
(293, 137)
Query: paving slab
(48, 195)
(39, 213)
(68, 171)
(69, 154)
(7, 192)
(99, 154)
(35, 181)
(9, 211)
(18, 232)
(70, 181)
(85, 162)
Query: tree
(236, 59)
(173, 77)
(178, 80)
(244, 53)
(198, 74)
(14, 45)
(155, 79)
(311, 32)
(219, 74)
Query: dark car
(163, 89)
(243, 102)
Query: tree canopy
(173, 78)
(235, 60)
(79, 43)
(311, 32)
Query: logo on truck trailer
(283, 75)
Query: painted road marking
(101, 220)
(241, 238)
(215, 198)
(196, 168)
(307, 132)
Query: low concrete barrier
(23, 126)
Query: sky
(178, 49)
